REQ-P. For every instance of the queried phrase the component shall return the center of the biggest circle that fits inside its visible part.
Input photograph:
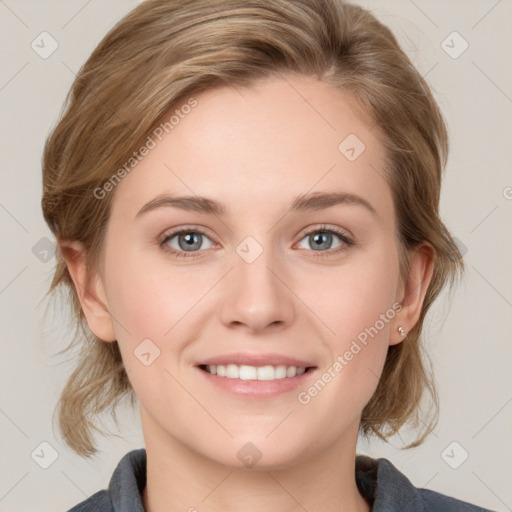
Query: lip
(252, 359)
(257, 389)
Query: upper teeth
(244, 372)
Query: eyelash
(348, 242)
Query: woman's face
(270, 270)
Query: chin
(258, 454)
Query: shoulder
(387, 489)
(434, 501)
(124, 493)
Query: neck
(180, 479)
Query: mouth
(250, 375)
(255, 373)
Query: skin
(254, 150)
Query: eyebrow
(303, 202)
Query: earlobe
(90, 290)
(420, 274)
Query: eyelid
(171, 232)
(329, 228)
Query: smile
(246, 372)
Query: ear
(90, 290)
(414, 290)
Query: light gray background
(470, 345)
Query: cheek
(153, 300)
(360, 320)
(150, 297)
(353, 298)
(357, 308)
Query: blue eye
(187, 240)
(322, 238)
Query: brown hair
(164, 51)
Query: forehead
(261, 145)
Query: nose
(257, 296)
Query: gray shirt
(384, 487)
